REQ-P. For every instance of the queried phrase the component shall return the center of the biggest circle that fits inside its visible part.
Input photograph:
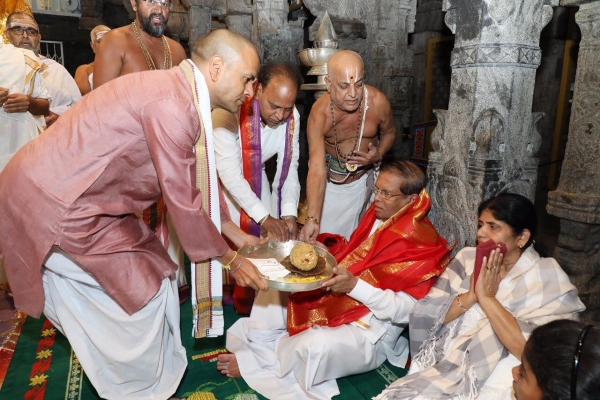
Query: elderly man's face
(388, 199)
(23, 32)
(345, 85)
(276, 100)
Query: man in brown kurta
(75, 189)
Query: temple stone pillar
(377, 30)
(199, 19)
(577, 199)
(275, 38)
(485, 143)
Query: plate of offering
(291, 266)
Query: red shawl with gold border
(403, 254)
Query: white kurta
(307, 365)
(138, 356)
(342, 205)
(60, 85)
(19, 73)
(236, 189)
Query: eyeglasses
(385, 193)
(575, 368)
(19, 30)
(163, 4)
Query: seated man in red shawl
(295, 346)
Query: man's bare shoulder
(118, 38)
(376, 96)
(378, 101)
(85, 69)
(320, 108)
(320, 117)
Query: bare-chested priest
(140, 46)
(350, 129)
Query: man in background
(84, 74)
(295, 346)
(58, 81)
(268, 125)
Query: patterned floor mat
(45, 367)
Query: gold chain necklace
(167, 64)
(349, 167)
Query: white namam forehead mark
(100, 34)
(351, 75)
(24, 23)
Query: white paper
(269, 267)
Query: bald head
(229, 63)
(222, 42)
(344, 60)
(345, 80)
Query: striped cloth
(207, 278)
(536, 291)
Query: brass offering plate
(294, 281)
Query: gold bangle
(288, 217)
(238, 266)
(228, 265)
(313, 219)
(459, 303)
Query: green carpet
(44, 367)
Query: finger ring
(328, 288)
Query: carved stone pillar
(485, 143)
(199, 19)
(577, 200)
(275, 38)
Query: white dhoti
(304, 366)
(137, 356)
(342, 206)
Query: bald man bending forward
(72, 244)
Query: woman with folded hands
(466, 336)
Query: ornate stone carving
(577, 199)
(482, 55)
(486, 142)
(437, 137)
